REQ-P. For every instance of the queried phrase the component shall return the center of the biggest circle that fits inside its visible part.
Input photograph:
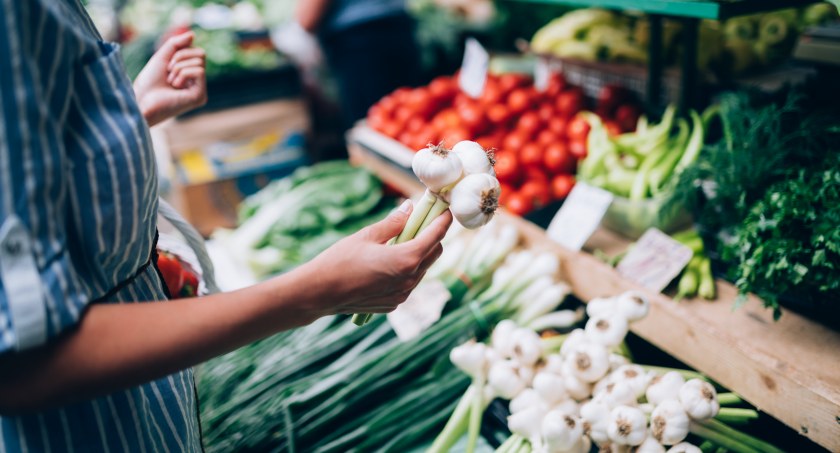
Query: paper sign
(579, 216)
(542, 73)
(422, 309)
(655, 260)
(473, 74)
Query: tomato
(377, 118)
(492, 94)
(455, 135)
(556, 84)
(612, 128)
(519, 100)
(171, 271)
(443, 88)
(546, 137)
(461, 99)
(528, 124)
(406, 138)
(578, 128)
(535, 174)
(578, 148)
(391, 129)
(561, 185)
(569, 102)
(514, 141)
(388, 104)
(531, 155)
(421, 102)
(537, 192)
(519, 204)
(424, 137)
(504, 193)
(558, 125)
(400, 94)
(509, 82)
(611, 96)
(627, 116)
(558, 159)
(414, 124)
(546, 112)
(507, 168)
(498, 114)
(488, 141)
(403, 114)
(190, 286)
(446, 119)
(473, 118)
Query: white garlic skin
(506, 380)
(474, 200)
(526, 398)
(473, 158)
(632, 305)
(617, 361)
(575, 338)
(575, 387)
(470, 358)
(627, 426)
(502, 338)
(550, 387)
(527, 422)
(650, 445)
(589, 362)
(664, 387)
(601, 306)
(637, 377)
(684, 447)
(596, 414)
(437, 167)
(699, 399)
(669, 423)
(618, 393)
(527, 347)
(561, 431)
(606, 330)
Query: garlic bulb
(554, 364)
(436, 167)
(567, 406)
(699, 399)
(601, 306)
(577, 388)
(635, 376)
(595, 415)
(525, 399)
(666, 386)
(617, 361)
(474, 200)
(618, 393)
(669, 423)
(506, 379)
(474, 158)
(684, 447)
(575, 339)
(527, 422)
(561, 431)
(544, 303)
(589, 362)
(502, 338)
(627, 426)
(606, 330)
(632, 305)
(650, 445)
(527, 347)
(550, 387)
(471, 358)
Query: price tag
(579, 216)
(655, 260)
(542, 73)
(473, 73)
(422, 309)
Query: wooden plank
(789, 369)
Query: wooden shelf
(700, 9)
(789, 369)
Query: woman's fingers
(181, 66)
(189, 53)
(193, 74)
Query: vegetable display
(293, 219)
(568, 392)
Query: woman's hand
(173, 81)
(361, 274)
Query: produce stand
(787, 368)
(689, 12)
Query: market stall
(646, 253)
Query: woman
(82, 368)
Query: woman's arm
(122, 345)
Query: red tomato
(612, 128)
(406, 138)
(561, 185)
(509, 82)
(171, 271)
(400, 94)
(558, 125)
(531, 155)
(414, 124)
(403, 114)
(507, 168)
(578, 148)
(519, 204)
(472, 116)
(627, 116)
(569, 102)
(611, 96)
(461, 99)
(488, 141)
(556, 84)
(546, 137)
(514, 141)
(519, 100)
(529, 123)
(391, 129)
(504, 193)
(498, 114)
(424, 137)
(377, 118)
(546, 112)
(578, 128)
(558, 159)
(535, 174)
(388, 104)
(446, 119)
(537, 192)
(492, 93)
(455, 135)
(443, 88)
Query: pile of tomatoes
(536, 136)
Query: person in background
(92, 356)
(369, 46)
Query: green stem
(707, 447)
(736, 415)
(729, 399)
(455, 426)
(553, 344)
(507, 444)
(732, 433)
(418, 215)
(721, 439)
(476, 411)
(687, 374)
(436, 210)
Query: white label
(655, 260)
(473, 74)
(422, 309)
(542, 73)
(579, 216)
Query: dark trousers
(370, 60)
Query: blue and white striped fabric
(78, 205)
